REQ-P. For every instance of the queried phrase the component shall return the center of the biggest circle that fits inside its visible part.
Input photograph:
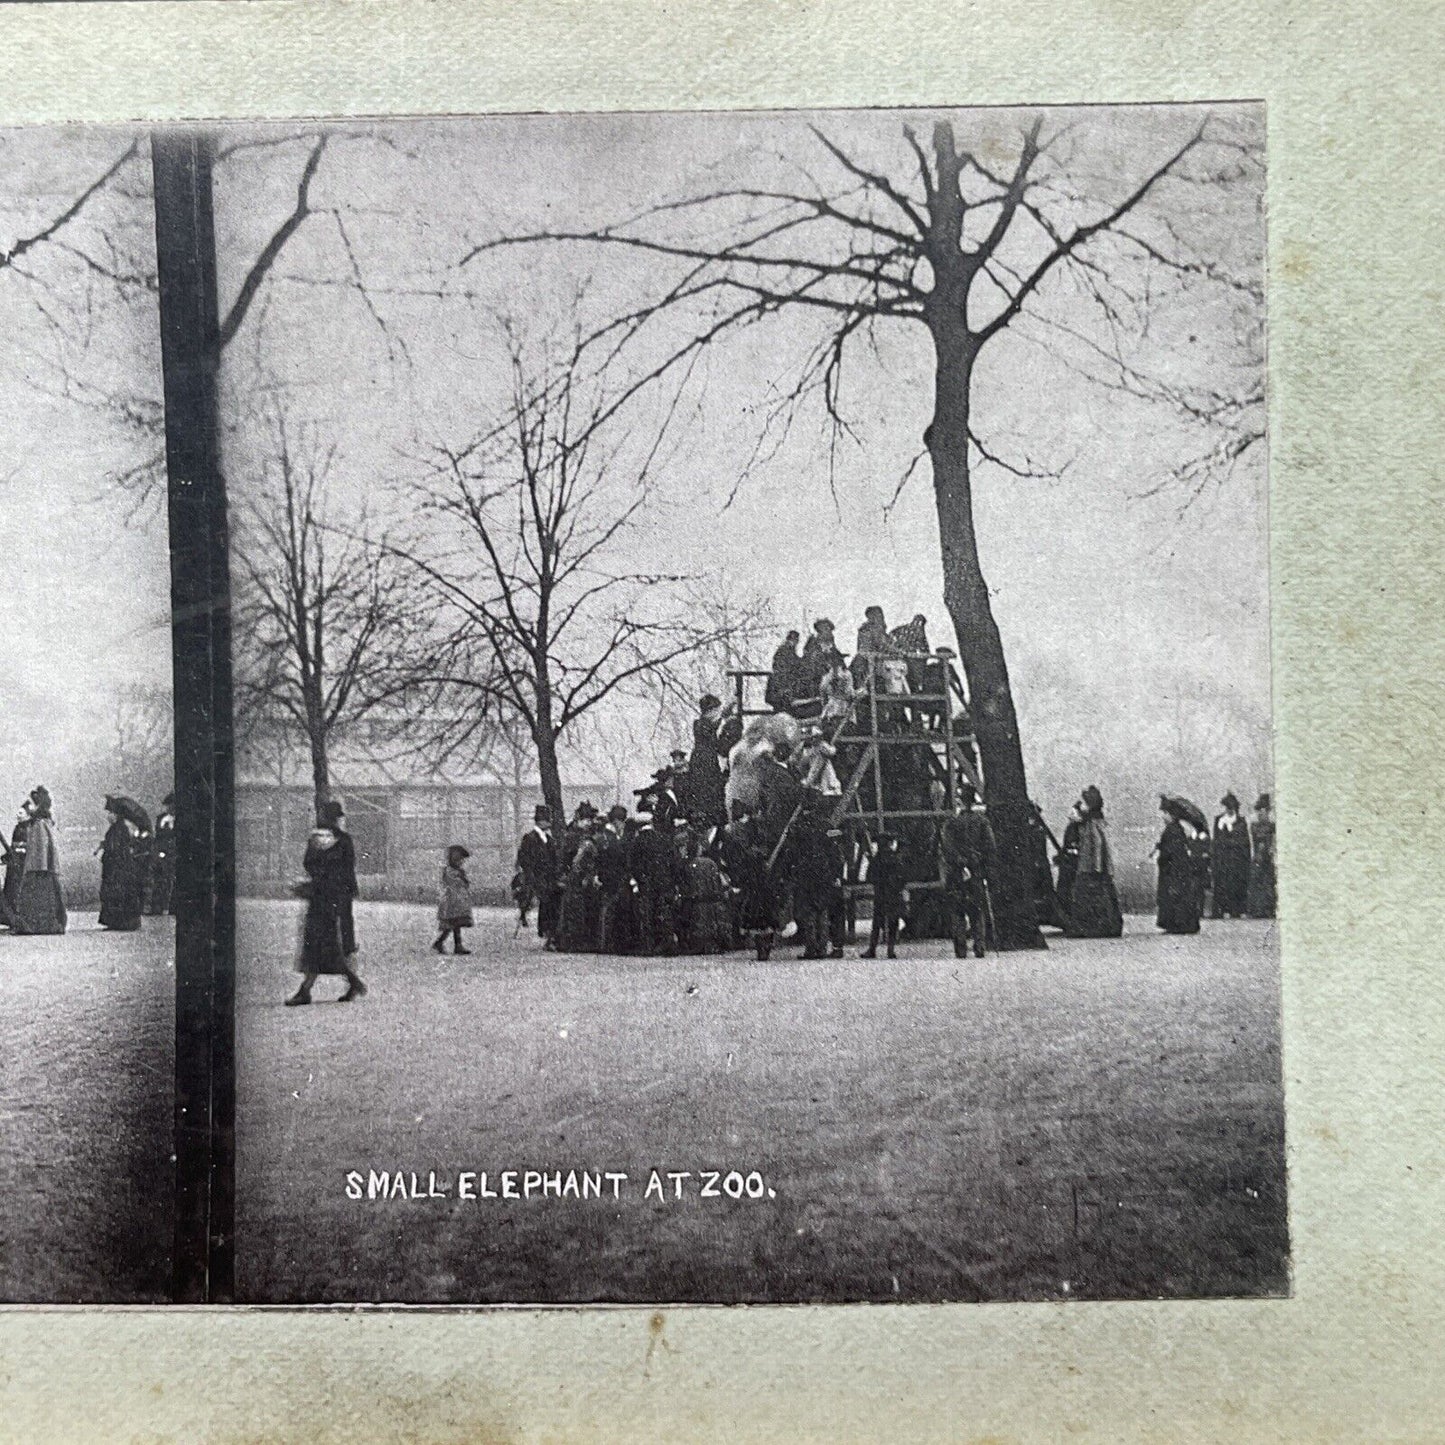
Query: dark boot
(871, 953)
(437, 946)
(302, 995)
(354, 988)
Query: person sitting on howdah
(786, 678)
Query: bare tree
(78, 284)
(964, 246)
(328, 632)
(525, 549)
(143, 726)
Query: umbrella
(130, 810)
(1183, 808)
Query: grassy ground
(87, 1048)
(1101, 1120)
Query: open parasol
(130, 810)
(1189, 812)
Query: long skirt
(1231, 881)
(120, 901)
(1261, 901)
(577, 919)
(706, 925)
(39, 907)
(1094, 910)
(1178, 900)
(328, 937)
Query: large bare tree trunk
(544, 735)
(320, 771)
(980, 649)
(965, 592)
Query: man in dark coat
(885, 873)
(657, 867)
(817, 870)
(779, 792)
(786, 679)
(540, 865)
(1231, 858)
(968, 852)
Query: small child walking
(454, 901)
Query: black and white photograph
(87, 815)
(752, 706)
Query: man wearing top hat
(541, 870)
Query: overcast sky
(1136, 627)
(87, 572)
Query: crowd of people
(137, 867)
(1231, 863)
(657, 883)
(701, 865)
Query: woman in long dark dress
(328, 938)
(1068, 861)
(14, 866)
(581, 903)
(122, 874)
(745, 860)
(39, 905)
(1261, 899)
(1094, 911)
(1231, 860)
(1179, 896)
(714, 735)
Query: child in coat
(454, 902)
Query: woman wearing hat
(715, 732)
(39, 906)
(1261, 898)
(1178, 897)
(1231, 860)
(122, 873)
(1094, 906)
(14, 867)
(454, 900)
(328, 939)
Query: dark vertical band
(200, 631)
